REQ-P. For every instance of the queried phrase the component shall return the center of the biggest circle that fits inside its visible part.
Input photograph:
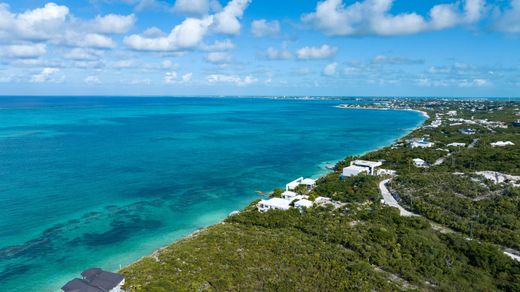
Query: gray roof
(94, 280)
(78, 285)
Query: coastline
(319, 175)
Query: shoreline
(155, 253)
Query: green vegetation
(364, 245)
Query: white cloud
(235, 79)
(262, 27)
(274, 54)
(37, 24)
(199, 7)
(81, 54)
(23, 51)
(509, 19)
(323, 52)
(330, 69)
(227, 20)
(187, 35)
(219, 45)
(373, 17)
(113, 23)
(187, 77)
(92, 79)
(170, 77)
(47, 75)
(218, 57)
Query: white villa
(456, 144)
(361, 166)
(420, 163)
(420, 144)
(502, 144)
(308, 182)
(273, 204)
(288, 196)
(303, 204)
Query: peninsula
(439, 211)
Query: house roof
(277, 203)
(355, 169)
(367, 163)
(303, 203)
(289, 194)
(79, 285)
(308, 182)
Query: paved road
(390, 200)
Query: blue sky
(260, 47)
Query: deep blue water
(103, 181)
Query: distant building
(273, 204)
(289, 195)
(456, 144)
(95, 280)
(418, 162)
(502, 144)
(308, 182)
(422, 144)
(382, 171)
(361, 166)
(303, 204)
(452, 113)
(516, 123)
(468, 131)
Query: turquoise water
(103, 181)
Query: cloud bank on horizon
(253, 47)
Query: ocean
(103, 181)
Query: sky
(260, 47)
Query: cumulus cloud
(219, 45)
(23, 51)
(235, 79)
(187, 35)
(262, 28)
(92, 79)
(47, 75)
(274, 54)
(199, 7)
(395, 60)
(37, 24)
(330, 69)
(218, 57)
(323, 52)
(113, 23)
(373, 17)
(173, 77)
(509, 20)
(227, 21)
(82, 54)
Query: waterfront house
(273, 204)
(358, 167)
(308, 182)
(95, 280)
(289, 195)
(468, 131)
(502, 144)
(419, 143)
(418, 162)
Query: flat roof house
(303, 204)
(95, 280)
(420, 163)
(308, 182)
(273, 204)
(502, 144)
(361, 166)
